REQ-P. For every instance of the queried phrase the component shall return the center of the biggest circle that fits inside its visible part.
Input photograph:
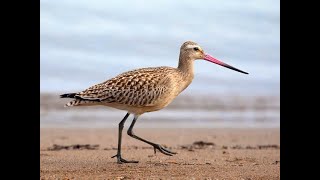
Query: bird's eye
(196, 49)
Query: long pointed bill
(216, 61)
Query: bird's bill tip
(209, 58)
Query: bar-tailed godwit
(144, 90)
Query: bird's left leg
(155, 146)
(118, 155)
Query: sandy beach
(73, 153)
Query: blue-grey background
(84, 42)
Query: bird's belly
(138, 110)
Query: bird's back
(149, 88)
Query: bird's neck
(186, 65)
(185, 68)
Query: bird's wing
(139, 87)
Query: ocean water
(84, 42)
(162, 119)
(183, 112)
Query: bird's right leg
(155, 146)
(118, 155)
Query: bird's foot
(120, 160)
(163, 150)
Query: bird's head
(191, 50)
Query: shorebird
(144, 90)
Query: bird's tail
(78, 101)
(68, 95)
(73, 103)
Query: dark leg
(118, 155)
(155, 146)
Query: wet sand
(67, 153)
